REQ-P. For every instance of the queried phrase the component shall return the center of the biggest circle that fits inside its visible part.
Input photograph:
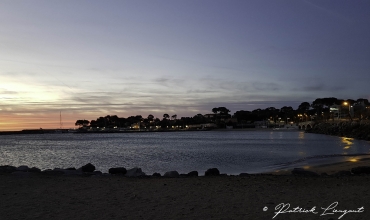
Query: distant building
(210, 116)
(135, 126)
(217, 116)
(340, 111)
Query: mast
(60, 119)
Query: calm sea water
(231, 152)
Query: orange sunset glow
(16, 122)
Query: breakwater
(354, 129)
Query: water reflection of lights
(271, 135)
(301, 135)
(348, 142)
(353, 160)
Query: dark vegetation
(318, 110)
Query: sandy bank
(224, 197)
(333, 168)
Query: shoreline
(359, 130)
(315, 162)
(332, 165)
(65, 131)
(331, 168)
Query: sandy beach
(258, 196)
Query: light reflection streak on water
(348, 142)
(301, 141)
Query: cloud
(234, 88)
(327, 11)
(12, 74)
(263, 86)
(313, 88)
(320, 88)
(161, 80)
(199, 91)
(7, 92)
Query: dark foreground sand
(227, 197)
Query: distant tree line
(319, 109)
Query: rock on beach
(135, 172)
(88, 168)
(193, 173)
(171, 174)
(212, 172)
(7, 169)
(117, 170)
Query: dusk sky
(95, 58)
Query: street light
(299, 118)
(349, 108)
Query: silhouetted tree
(243, 116)
(304, 106)
(365, 101)
(82, 123)
(113, 120)
(221, 111)
(199, 119)
(150, 117)
(166, 116)
(286, 109)
(138, 118)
